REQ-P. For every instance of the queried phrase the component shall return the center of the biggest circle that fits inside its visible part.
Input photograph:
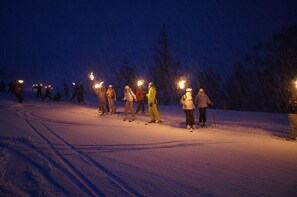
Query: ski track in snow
(56, 153)
(73, 173)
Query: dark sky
(48, 38)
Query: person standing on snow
(292, 115)
(111, 98)
(66, 90)
(38, 91)
(188, 106)
(48, 93)
(101, 92)
(140, 100)
(152, 103)
(202, 101)
(80, 94)
(129, 97)
(18, 91)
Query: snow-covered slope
(64, 149)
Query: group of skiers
(78, 93)
(108, 97)
(188, 103)
(15, 87)
(47, 93)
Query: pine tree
(126, 75)
(164, 72)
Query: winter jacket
(110, 93)
(18, 89)
(129, 96)
(202, 100)
(139, 94)
(151, 95)
(101, 92)
(187, 101)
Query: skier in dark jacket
(18, 90)
(292, 115)
(80, 94)
(66, 90)
(76, 90)
(48, 92)
(57, 97)
(38, 91)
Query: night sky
(45, 39)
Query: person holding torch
(188, 106)
(140, 97)
(18, 90)
(292, 115)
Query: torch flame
(140, 82)
(296, 83)
(91, 76)
(98, 85)
(182, 84)
(73, 83)
(20, 81)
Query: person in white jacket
(188, 106)
(129, 97)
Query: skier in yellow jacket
(152, 103)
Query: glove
(151, 104)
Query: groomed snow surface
(66, 149)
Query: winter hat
(201, 90)
(188, 89)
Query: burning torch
(91, 76)
(98, 85)
(140, 82)
(182, 84)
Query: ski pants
(140, 105)
(293, 125)
(111, 105)
(103, 105)
(190, 120)
(129, 105)
(202, 115)
(154, 113)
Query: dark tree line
(261, 81)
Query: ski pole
(214, 117)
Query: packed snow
(66, 149)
